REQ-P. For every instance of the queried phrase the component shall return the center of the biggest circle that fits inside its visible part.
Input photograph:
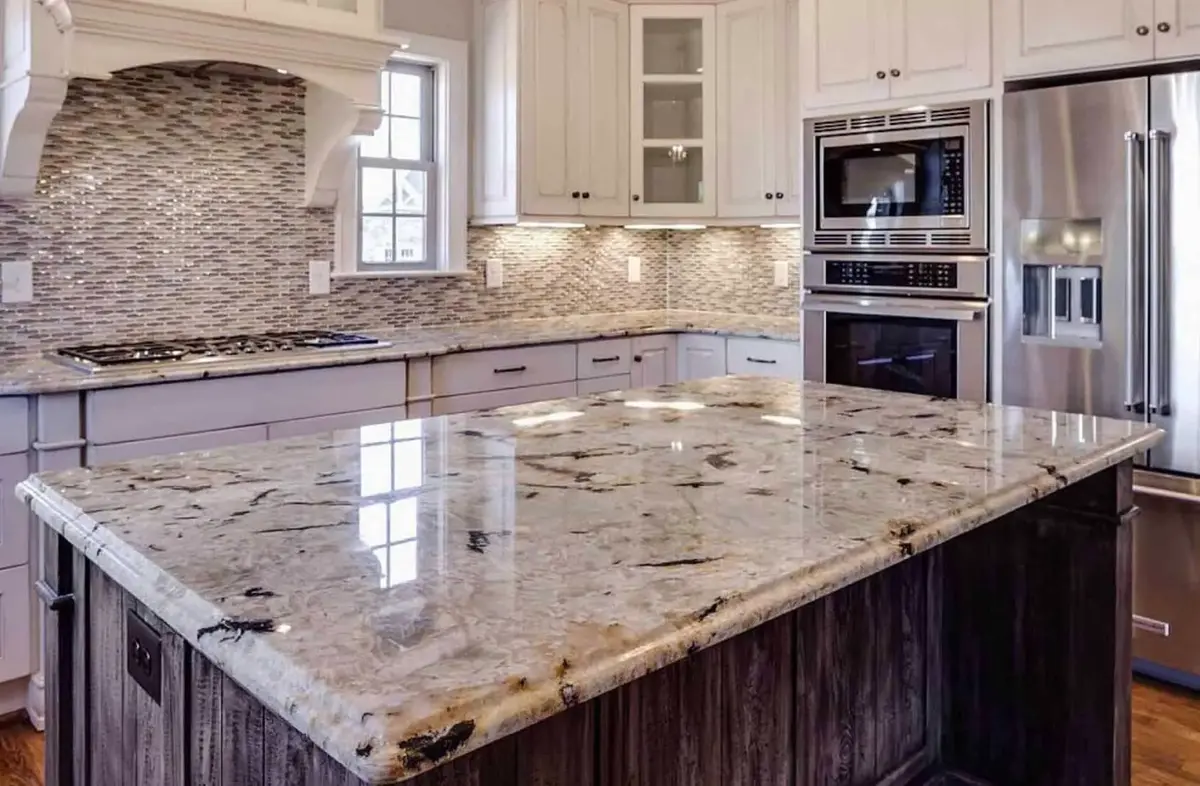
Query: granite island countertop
(432, 586)
(35, 374)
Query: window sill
(357, 274)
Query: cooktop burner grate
(110, 355)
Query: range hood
(49, 42)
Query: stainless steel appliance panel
(1174, 270)
(1072, 201)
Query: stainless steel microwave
(914, 179)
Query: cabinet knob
(637, 198)
(587, 194)
(574, 195)
(1143, 30)
(1164, 27)
(895, 72)
(637, 358)
(779, 195)
(770, 195)
(881, 75)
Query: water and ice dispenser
(1062, 281)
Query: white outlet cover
(318, 277)
(494, 273)
(635, 269)
(781, 272)
(16, 282)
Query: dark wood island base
(1000, 657)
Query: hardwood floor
(1166, 741)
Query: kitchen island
(733, 581)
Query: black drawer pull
(52, 599)
(513, 370)
(762, 360)
(612, 359)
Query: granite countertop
(435, 585)
(36, 374)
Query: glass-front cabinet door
(672, 122)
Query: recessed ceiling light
(282, 70)
(405, 46)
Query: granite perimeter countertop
(434, 585)
(35, 374)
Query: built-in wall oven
(913, 179)
(905, 323)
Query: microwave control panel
(906, 275)
(953, 177)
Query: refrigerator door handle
(1159, 202)
(1135, 393)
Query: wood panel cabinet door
(746, 110)
(14, 516)
(546, 58)
(844, 49)
(1050, 36)
(939, 46)
(1176, 28)
(600, 158)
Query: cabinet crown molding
(59, 40)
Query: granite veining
(405, 593)
(37, 374)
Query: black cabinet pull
(587, 195)
(637, 358)
(513, 370)
(779, 195)
(1142, 30)
(762, 360)
(636, 198)
(574, 195)
(612, 359)
(1164, 27)
(770, 195)
(52, 599)
(881, 75)
(895, 72)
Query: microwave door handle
(1135, 376)
(1159, 198)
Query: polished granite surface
(37, 374)
(427, 587)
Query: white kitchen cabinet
(551, 111)
(673, 111)
(1049, 36)
(325, 423)
(764, 357)
(14, 516)
(604, 358)
(15, 628)
(1176, 28)
(498, 369)
(586, 387)
(183, 443)
(701, 357)
(473, 402)
(654, 361)
(859, 51)
(788, 159)
(361, 17)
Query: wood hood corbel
(58, 40)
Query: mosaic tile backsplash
(170, 204)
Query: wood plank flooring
(1166, 741)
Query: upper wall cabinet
(344, 16)
(860, 51)
(1053, 36)
(673, 114)
(758, 114)
(551, 108)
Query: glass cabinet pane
(673, 175)
(673, 111)
(672, 46)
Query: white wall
(445, 18)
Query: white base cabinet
(764, 357)
(15, 623)
(654, 361)
(701, 357)
(14, 517)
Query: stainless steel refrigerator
(1102, 308)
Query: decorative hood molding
(48, 42)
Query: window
(398, 176)
(391, 473)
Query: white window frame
(447, 201)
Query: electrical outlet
(318, 277)
(635, 269)
(143, 655)
(16, 282)
(494, 273)
(781, 272)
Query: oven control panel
(906, 275)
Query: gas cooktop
(100, 357)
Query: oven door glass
(900, 354)
(902, 178)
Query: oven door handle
(957, 310)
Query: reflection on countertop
(484, 571)
(36, 374)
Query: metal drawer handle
(513, 370)
(52, 599)
(1151, 625)
(612, 359)
(761, 360)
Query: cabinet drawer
(764, 357)
(604, 384)
(474, 402)
(208, 440)
(16, 633)
(604, 358)
(476, 372)
(348, 420)
(152, 411)
(14, 424)
(14, 516)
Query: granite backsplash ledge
(170, 204)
